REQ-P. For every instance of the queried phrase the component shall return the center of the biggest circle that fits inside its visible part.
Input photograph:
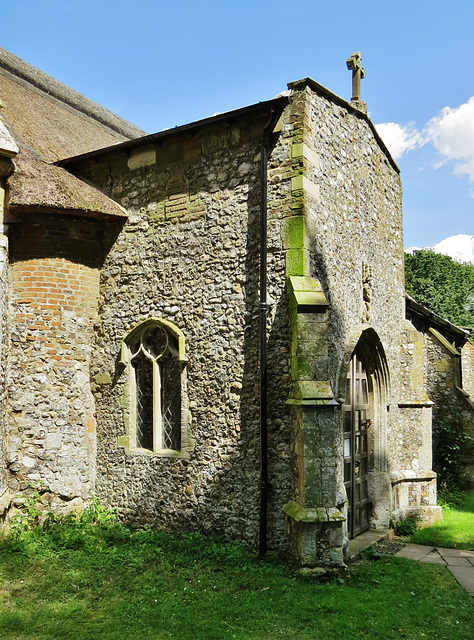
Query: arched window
(153, 353)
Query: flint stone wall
(354, 248)
(3, 365)
(441, 377)
(189, 254)
(468, 411)
(357, 255)
(355, 226)
(413, 451)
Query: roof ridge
(52, 87)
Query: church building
(206, 327)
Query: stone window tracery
(153, 353)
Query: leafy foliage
(406, 527)
(452, 497)
(442, 285)
(32, 518)
(449, 441)
(29, 515)
(446, 287)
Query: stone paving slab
(433, 558)
(366, 540)
(460, 562)
(465, 578)
(414, 551)
(457, 562)
(455, 553)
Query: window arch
(154, 357)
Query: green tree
(442, 285)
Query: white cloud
(399, 139)
(452, 135)
(460, 247)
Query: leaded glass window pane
(171, 403)
(157, 369)
(144, 393)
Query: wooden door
(356, 422)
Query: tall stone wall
(188, 260)
(467, 356)
(413, 451)
(4, 498)
(356, 232)
(355, 218)
(344, 254)
(189, 254)
(51, 424)
(442, 372)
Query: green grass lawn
(102, 582)
(456, 531)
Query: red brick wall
(54, 281)
(43, 290)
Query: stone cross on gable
(354, 64)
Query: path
(459, 562)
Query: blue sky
(161, 64)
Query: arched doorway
(356, 411)
(365, 412)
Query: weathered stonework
(8, 150)
(335, 273)
(467, 367)
(445, 377)
(189, 254)
(167, 239)
(4, 496)
(54, 282)
(346, 226)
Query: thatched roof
(49, 121)
(38, 187)
(52, 118)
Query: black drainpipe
(268, 128)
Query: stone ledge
(311, 392)
(422, 401)
(366, 539)
(320, 514)
(307, 294)
(410, 475)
